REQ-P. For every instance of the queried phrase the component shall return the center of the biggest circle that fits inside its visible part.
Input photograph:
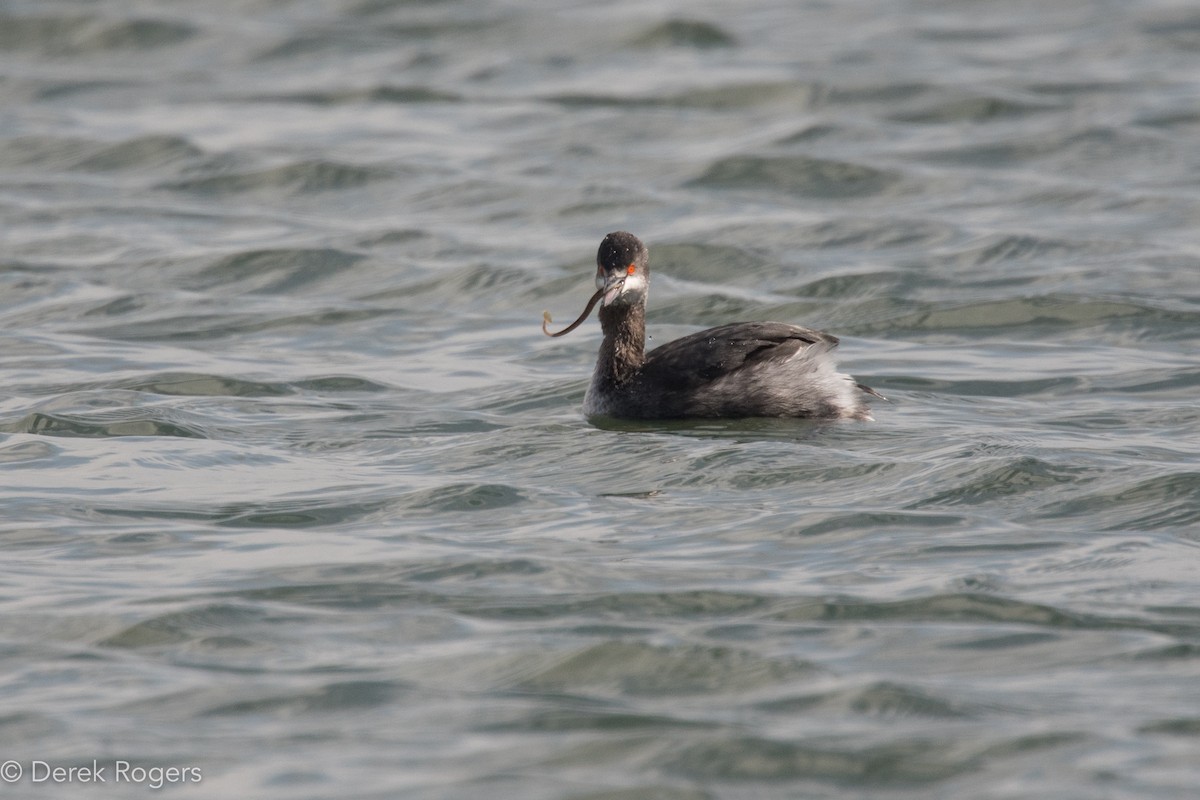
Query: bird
(739, 370)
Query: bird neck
(624, 348)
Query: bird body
(743, 369)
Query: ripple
(1039, 316)
(820, 131)
(28, 452)
(25, 726)
(175, 627)
(216, 326)
(78, 35)
(635, 668)
(710, 262)
(299, 514)
(335, 698)
(302, 177)
(741, 759)
(635, 604)
(193, 384)
(586, 719)
(452, 286)
(834, 523)
(685, 33)
(275, 271)
(475, 570)
(716, 98)
(142, 152)
(53, 90)
(321, 41)
(951, 607)
(975, 108)
(650, 791)
(1018, 476)
(1029, 387)
(338, 384)
(1177, 726)
(372, 94)
(1162, 502)
(118, 422)
(1085, 151)
(1023, 248)
(1177, 29)
(889, 232)
(879, 699)
(465, 497)
(799, 175)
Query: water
(298, 501)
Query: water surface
(296, 495)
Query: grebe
(745, 369)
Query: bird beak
(611, 287)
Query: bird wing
(714, 353)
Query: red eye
(632, 268)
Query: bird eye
(632, 268)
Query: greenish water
(297, 500)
